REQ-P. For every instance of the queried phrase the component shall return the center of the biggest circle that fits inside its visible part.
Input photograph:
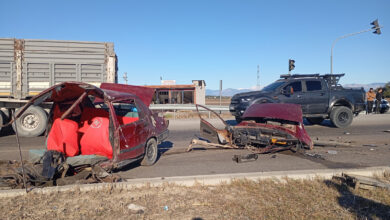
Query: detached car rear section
(320, 97)
(113, 121)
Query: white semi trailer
(28, 67)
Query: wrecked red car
(265, 128)
(113, 121)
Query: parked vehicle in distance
(27, 67)
(320, 97)
(113, 121)
(384, 106)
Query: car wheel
(31, 123)
(151, 153)
(314, 121)
(2, 119)
(341, 116)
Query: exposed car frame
(266, 128)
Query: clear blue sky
(214, 40)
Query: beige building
(170, 93)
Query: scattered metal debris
(370, 145)
(245, 158)
(332, 143)
(318, 156)
(54, 171)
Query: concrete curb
(278, 176)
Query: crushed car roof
(68, 91)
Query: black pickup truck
(320, 97)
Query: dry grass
(242, 199)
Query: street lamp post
(376, 27)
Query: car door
(316, 98)
(133, 129)
(213, 130)
(295, 96)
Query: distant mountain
(365, 86)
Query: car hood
(249, 94)
(284, 111)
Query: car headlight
(246, 99)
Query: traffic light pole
(377, 27)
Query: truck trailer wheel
(151, 153)
(32, 123)
(341, 116)
(314, 121)
(2, 119)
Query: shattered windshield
(272, 86)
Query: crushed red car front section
(265, 128)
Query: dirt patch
(242, 199)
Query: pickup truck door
(316, 98)
(296, 96)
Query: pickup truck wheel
(32, 122)
(238, 119)
(151, 153)
(315, 121)
(341, 116)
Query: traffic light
(291, 65)
(376, 27)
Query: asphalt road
(367, 133)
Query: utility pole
(220, 92)
(125, 77)
(258, 78)
(376, 27)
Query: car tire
(151, 153)
(315, 121)
(31, 123)
(341, 116)
(2, 119)
(238, 119)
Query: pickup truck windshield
(272, 86)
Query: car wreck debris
(52, 169)
(331, 143)
(265, 128)
(113, 122)
(363, 182)
(245, 158)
